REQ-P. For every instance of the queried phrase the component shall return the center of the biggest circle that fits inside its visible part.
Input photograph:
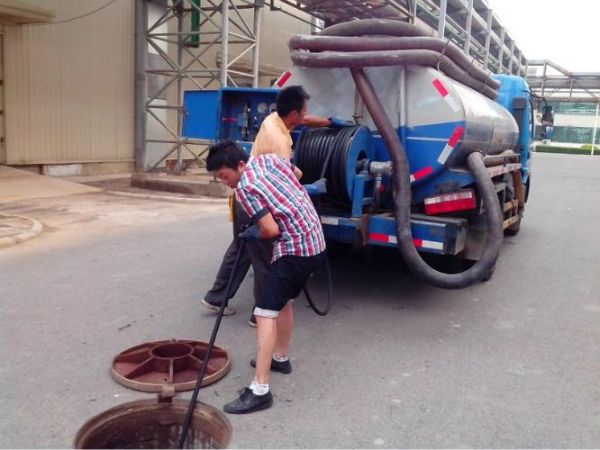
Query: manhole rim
(121, 410)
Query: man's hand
(334, 122)
(319, 187)
(250, 233)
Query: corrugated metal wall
(69, 86)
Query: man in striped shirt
(272, 138)
(280, 209)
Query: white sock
(259, 389)
(280, 358)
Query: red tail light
(454, 201)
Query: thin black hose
(322, 311)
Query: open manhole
(152, 424)
(149, 367)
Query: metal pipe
(488, 37)
(468, 26)
(224, 41)
(501, 51)
(595, 128)
(442, 19)
(141, 89)
(180, 39)
(256, 55)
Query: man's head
(226, 161)
(291, 105)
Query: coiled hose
(482, 269)
(324, 154)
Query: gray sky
(564, 31)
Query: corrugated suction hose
(380, 42)
(482, 269)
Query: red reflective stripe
(418, 242)
(456, 135)
(379, 237)
(450, 206)
(422, 172)
(437, 84)
(286, 76)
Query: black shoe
(277, 366)
(252, 321)
(249, 402)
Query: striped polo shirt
(268, 183)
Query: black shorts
(285, 281)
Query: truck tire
(514, 229)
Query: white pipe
(595, 128)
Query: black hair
(290, 99)
(225, 154)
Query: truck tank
(435, 116)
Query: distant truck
(438, 161)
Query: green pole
(194, 39)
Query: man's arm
(267, 227)
(255, 206)
(315, 121)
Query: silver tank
(414, 97)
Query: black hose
(375, 43)
(482, 269)
(359, 44)
(323, 153)
(190, 411)
(371, 28)
(392, 58)
(321, 311)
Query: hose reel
(337, 154)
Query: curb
(168, 198)
(36, 228)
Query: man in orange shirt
(273, 138)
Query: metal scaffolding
(169, 55)
(553, 82)
(172, 54)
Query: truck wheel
(514, 229)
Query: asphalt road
(514, 362)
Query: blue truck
(437, 161)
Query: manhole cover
(150, 366)
(148, 424)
